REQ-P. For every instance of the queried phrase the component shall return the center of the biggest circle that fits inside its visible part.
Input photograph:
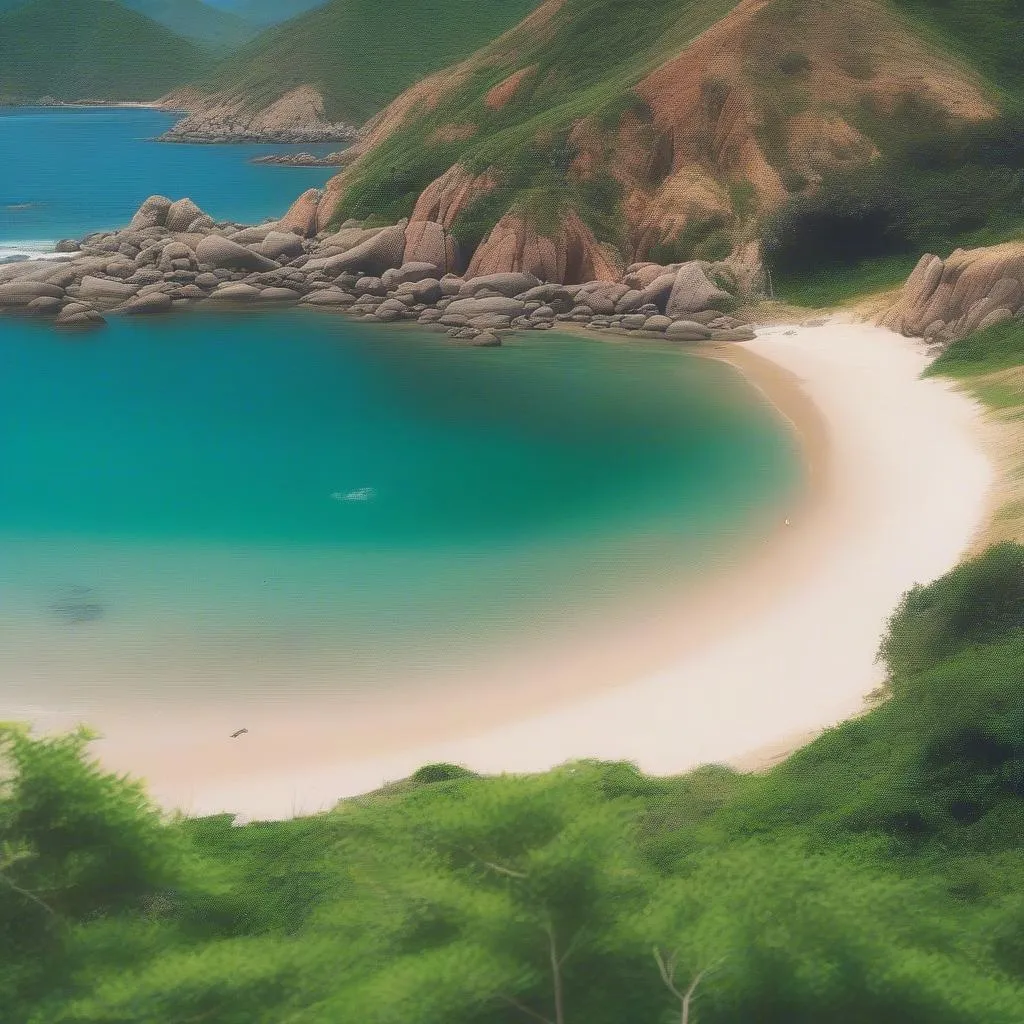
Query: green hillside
(267, 12)
(198, 21)
(875, 876)
(90, 49)
(360, 53)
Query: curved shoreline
(753, 663)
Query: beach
(774, 645)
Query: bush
(977, 602)
(441, 772)
(994, 348)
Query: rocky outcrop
(296, 117)
(300, 159)
(945, 300)
(301, 215)
(570, 254)
(151, 269)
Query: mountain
(267, 12)
(675, 132)
(345, 61)
(90, 49)
(201, 22)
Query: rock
(478, 307)
(633, 321)
(692, 291)
(408, 273)
(255, 235)
(301, 215)
(485, 339)
(181, 214)
(427, 291)
(279, 244)
(385, 250)
(328, 297)
(507, 284)
(236, 293)
(997, 316)
(77, 314)
(733, 334)
(543, 313)
(391, 309)
(279, 295)
(44, 305)
(214, 251)
(428, 242)
(370, 286)
(152, 213)
(154, 302)
(207, 280)
(491, 322)
(66, 245)
(687, 330)
(451, 285)
(21, 293)
(657, 323)
(100, 289)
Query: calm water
(68, 171)
(212, 491)
(375, 492)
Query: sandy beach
(774, 647)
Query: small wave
(361, 494)
(15, 251)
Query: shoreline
(752, 662)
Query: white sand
(907, 490)
(754, 664)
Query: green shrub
(975, 603)
(995, 348)
(441, 772)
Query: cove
(295, 480)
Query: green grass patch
(836, 285)
(996, 348)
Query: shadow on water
(78, 606)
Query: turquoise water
(363, 488)
(68, 171)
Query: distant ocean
(67, 171)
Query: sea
(221, 489)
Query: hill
(90, 49)
(267, 12)
(348, 58)
(874, 876)
(201, 22)
(675, 134)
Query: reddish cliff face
(705, 144)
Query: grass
(91, 49)
(837, 285)
(360, 54)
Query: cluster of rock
(945, 300)
(301, 159)
(173, 254)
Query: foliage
(932, 191)
(75, 50)
(995, 348)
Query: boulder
(692, 291)
(657, 323)
(21, 293)
(181, 214)
(408, 273)
(370, 286)
(279, 245)
(506, 284)
(279, 295)
(100, 289)
(78, 314)
(426, 241)
(427, 291)
(687, 330)
(151, 214)
(328, 297)
(301, 215)
(252, 236)
(153, 302)
(391, 309)
(385, 250)
(44, 305)
(214, 251)
(236, 293)
(478, 307)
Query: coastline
(756, 660)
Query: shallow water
(273, 482)
(67, 171)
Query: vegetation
(582, 67)
(90, 49)
(934, 192)
(198, 21)
(360, 54)
(873, 876)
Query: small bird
(235, 735)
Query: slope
(670, 135)
(355, 54)
(95, 49)
(267, 12)
(201, 22)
